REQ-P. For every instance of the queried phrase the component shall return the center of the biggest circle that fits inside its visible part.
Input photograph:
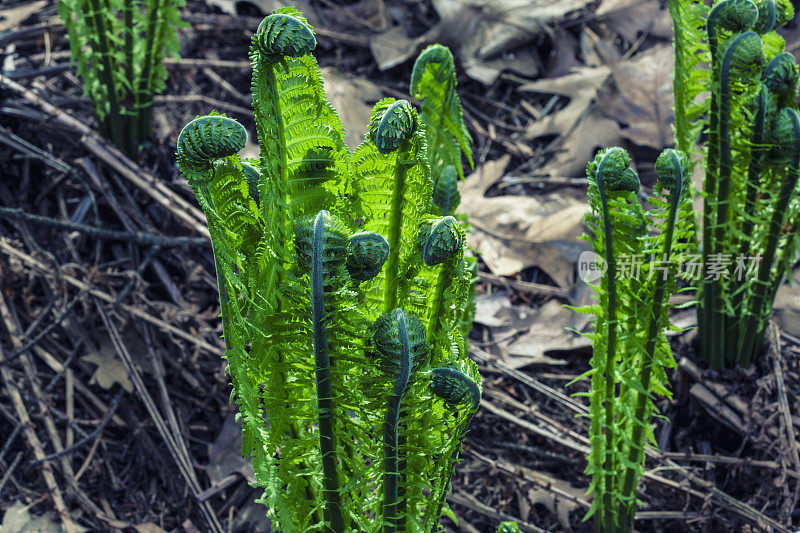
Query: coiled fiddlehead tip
(747, 54)
(367, 252)
(767, 16)
(392, 123)
(206, 139)
(784, 135)
(387, 342)
(439, 240)
(671, 168)
(333, 238)
(435, 53)
(784, 12)
(281, 34)
(445, 192)
(455, 387)
(252, 175)
(734, 15)
(611, 166)
(781, 75)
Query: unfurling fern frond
(433, 80)
(325, 292)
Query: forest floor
(114, 401)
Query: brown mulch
(114, 402)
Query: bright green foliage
(750, 80)
(119, 47)
(508, 527)
(630, 349)
(345, 299)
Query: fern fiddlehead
(399, 340)
(732, 16)
(608, 174)
(671, 168)
(786, 137)
(298, 331)
(455, 387)
(321, 244)
(743, 58)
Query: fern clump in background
(630, 348)
(750, 221)
(344, 290)
(119, 47)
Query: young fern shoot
(325, 290)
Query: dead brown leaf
(640, 97)
(581, 125)
(560, 507)
(515, 232)
(353, 99)
(224, 455)
(12, 16)
(110, 369)
(786, 309)
(546, 335)
(631, 18)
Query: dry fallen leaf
(632, 18)
(641, 97)
(353, 99)
(17, 519)
(12, 16)
(786, 310)
(110, 369)
(515, 232)
(547, 334)
(225, 456)
(581, 124)
(560, 507)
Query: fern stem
(608, 513)
(395, 232)
(762, 282)
(442, 282)
(327, 442)
(391, 461)
(654, 327)
(107, 76)
(734, 327)
(129, 125)
(144, 97)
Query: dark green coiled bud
(783, 136)
(206, 139)
(671, 167)
(387, 339)
(251, 174)
(366, 254)
(733, 15)
(445, 193)
(745, 54)
(781, 75)
(767, 16)
(455, 387)
(611, 166)
(284, 35)
(392, 123)
(440, 59)
(439, 240)
(784, 12)
(332, 238)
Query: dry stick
(11, 250)
(471, 502)
(722, 498)
(775, 354)
(135, 237)
(36, 446)
(188, 214)
(184, 465)
(726, 460)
